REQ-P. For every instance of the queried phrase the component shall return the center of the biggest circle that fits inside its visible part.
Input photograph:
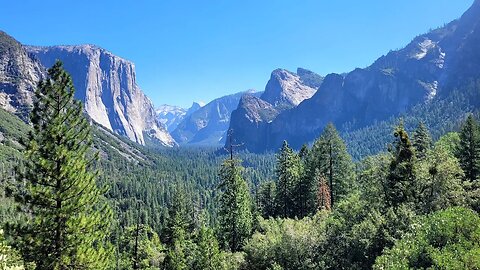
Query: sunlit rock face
(106, 84)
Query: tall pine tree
(329, 155)
(421, 141)
(68, 221)
(266, 199)
(235, 214)
(468, 152)
(289, 171)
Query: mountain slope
(425, 71)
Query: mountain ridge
(426, 70)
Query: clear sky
(198, 50)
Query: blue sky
(195, 50)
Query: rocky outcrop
(250, 120)
(429, 68)
(19, 74)
(208, 125)
(286, 89)
(106, 84)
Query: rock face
(250, 120)
(19, 74)
(171, 116)
(427, 69)
(285, 90)
(208, 125)
(106, 84)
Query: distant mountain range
(440, 69)
(171, 116)
(208, 124)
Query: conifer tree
(400, 182)
(179, 216)
(469, 149)
(421, 141)
(329, 155)
(266, 199)
(235, 214)
(177, 254)
(69, 221)
(289, 171)
(303, 153)
(208, 256)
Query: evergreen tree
(235, 214)
(266, 199)
(303, 153)
(469, 149)
(68, 220)
(421, 140)
(400, 182)
(177, 254)
(329, 155)
(289, 170)
(179, 216)
(208, 256)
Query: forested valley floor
(74, 196)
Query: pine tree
(400, 182)
(421, 140)
(469, 149)
(179, 216)
(289, 171)
(303, 153)
(69, 221)
(323, 193)
(208, 255)
(266, 199)
(235, 214)
(177, 254)
(329, 155)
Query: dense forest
(76, 197)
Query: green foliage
(449, 239)
(356, 234)
(289, 170)
(399, 187)
(235, 213)
(449, 142)
(469, 149)
(285, 244)
(439, 181)
(208, 255)
(421, 140)
(329, 155)
(266, 201)
(150, 250)
(9, 258)
(68, 221)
